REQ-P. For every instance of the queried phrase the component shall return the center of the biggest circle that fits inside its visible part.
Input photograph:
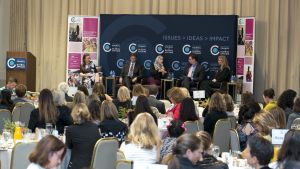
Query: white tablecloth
(149, 166)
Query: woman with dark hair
(94, 108)
(247, 98)
(175, 129)
(48, 153)
(216, 111)
(6, 102)
(290, 148)
(83, 89)
(46, 113)
(99, 90)
(187, 110)
(142, 105)
(295, 115)
(246, 127)
(268, 97)
(186, 153)
(286, 101)
(88, 71)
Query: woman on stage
(158, 71)
(88, 72)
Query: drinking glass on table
(215, 151)
(49, 128)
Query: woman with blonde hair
(123, 99)
(216, 111)
(157, 71)
(137, 91)
(176, 96)
(143, 141)
(279, 115)
(264, 122)
(99, 90)
(110, 125)
(79, 97)
(81, 137)
(229, 104)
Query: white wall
(4, 36)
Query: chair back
(105, 147)
(232, 120)
(221, 135)
(124, 164)
(193, 126)
(4, 116)
(296, 123)
(234, 140)
(167, 103)
(20, 152)
(120, 155)
(22, 112)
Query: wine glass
(49, 128)
(216, 151)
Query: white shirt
(139, 155)
(34, 166)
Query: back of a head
(266, 121)
(270, 93)
(205, 139)
(142, 105)
(83, 89)
(94, 108)
(80, 113)
(12, 80)
(58, 97)
(261, 148)
(108, 111)
(290, 147)
(63, 86)
(247, 98)
(99, 88)
(21, 90)
(185, 92)
(6, 96)
(138, 90)
(286, 99)
(176, 128)
(47, 108)
(296, 107)
(247, 112)
(187, 110)
(91, 98)
(123, 94)
(279, 116)
(79, 97)
(153, 90)
(175, 94)
(217, 103)
(229, 102)
(185, 142)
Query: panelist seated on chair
(131, 72)
(157, 71)
(222, 76)
(88, 72)
(193, 73)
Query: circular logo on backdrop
(132, 48)
(214, 50)
(147, 64)
(11, 63)
(205, 65)
(176, 65)
(106, 47)
(159, 49)
(120, 63)
(186, 49)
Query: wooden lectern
(24, 72)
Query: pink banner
(74, 60)
(239, 66)
(90, 27)
(249, 29)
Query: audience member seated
(157, 71)
(143, 142)
(110, 125)
(142, 105)
(289, 150)
(64, 87)
(216, 111)
(229, 104)
(99, 90)
(11, 85)
(186, 153)
(6, 102)
(187, 110)
(194, 73)
(64, 117)
(175, 129)
(20, 92)
(291, 165)
(91, 98)
(259, 152)
(153, 91)
(131, 73)
(268, 97)
(222, 76)
(94, 108)
(295, 115)
(79, 97)
(176, 96)
(47, 112)
(247, 98)
(48, 153)
(81, 137)
(137, 91)
(286, 101)
(279, 116)
(246, 127)
(264, 123)
(83, 89)
(123, 99)
(208, 160)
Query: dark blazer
(223, 75)
(81, 139)
(155, 74)
(199, 72)
(211, 119)
(137, 71)
(210, 162)
(68, 98)
(156, 103)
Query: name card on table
(278, 135)
(199, 94)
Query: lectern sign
(16, 63)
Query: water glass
(49, 128)
(7, 135)
(216, 151)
